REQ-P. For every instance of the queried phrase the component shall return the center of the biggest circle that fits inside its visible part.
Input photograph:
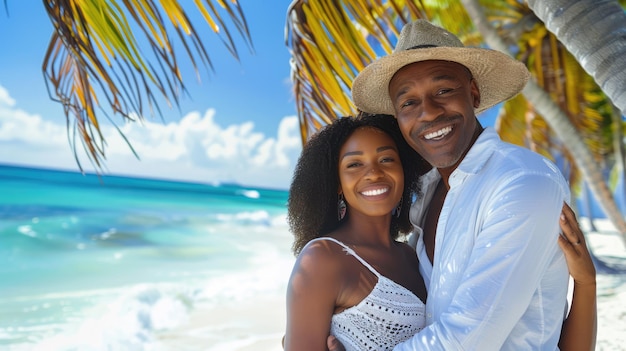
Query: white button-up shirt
(499, 280)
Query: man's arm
(513, 248)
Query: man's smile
(439, 134)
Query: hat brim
(499, 76)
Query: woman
(352, 279)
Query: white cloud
(196, 148)
(5, 98)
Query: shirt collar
(472, 163)
(479, 153)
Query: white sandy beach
(248, 326)
(258, 323)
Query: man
(488, 221)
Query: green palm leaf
(556, 70)
(330, 42)
(95, 52)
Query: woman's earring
(341, 207)
(396, 211)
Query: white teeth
(375, 192)
(438, 134)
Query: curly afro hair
(312, 204)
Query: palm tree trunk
(594, 32)
(588, 208)
(620, 151)
(558, 121)
(570, 137)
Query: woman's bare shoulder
(320, 255)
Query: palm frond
(95, 51)
(557, 71)
(330, 42)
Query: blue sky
(238, 124)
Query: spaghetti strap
(386, 316)
(350, 251)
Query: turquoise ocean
(110, 263)
(91, 263)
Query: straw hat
(499, 76)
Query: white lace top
(387, 316)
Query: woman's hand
(580, 328)
(573, 244)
